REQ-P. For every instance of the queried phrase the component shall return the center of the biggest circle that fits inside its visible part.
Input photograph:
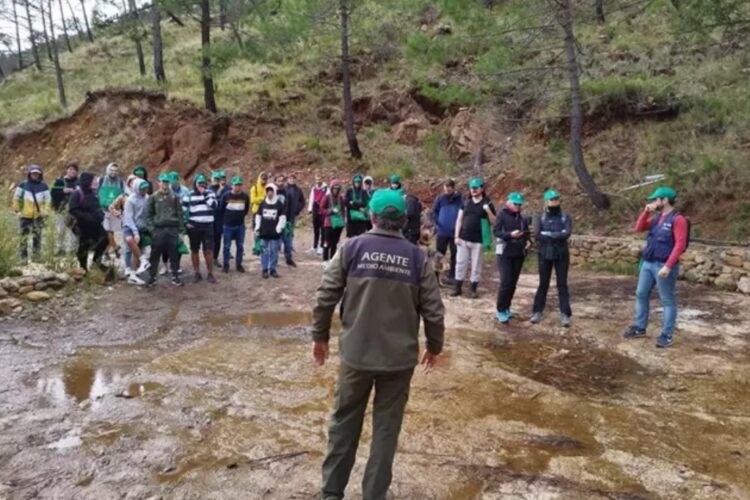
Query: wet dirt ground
(208, 392)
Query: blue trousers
(236, 234)
(667, 287)
(269, 254)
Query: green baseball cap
(139, 169)
(551, 194)
(395, 179)
(174, 177)
(384, 198)
(516, 198)
(143, 184)
(200, 178)
(663, 192)
(475, 183)
(236, 180)
(217, 174)
(357, 178)
(164, 177)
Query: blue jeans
(269, 254)
(667, 287)
(236, 234)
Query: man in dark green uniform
(387, 284)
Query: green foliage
(452, 94)
(613, 97)
(11, 241)
(436, 153)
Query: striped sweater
(199, 207)
(235, 207)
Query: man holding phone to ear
(668, 237)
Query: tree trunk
(86, 21)
(44, 30)
(157, 43)
(32, 37)
(75, 20)
(222, 14)
(18, 35)
(208, 81)
(64, 27)
(599, 7)
(351, 136)
(136, 30)
(599, 199)
(56, 60)
(237, 35)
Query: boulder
(744, 285)
(410, 131)
(38, 296)
(25, 289)
(48, 276)
(733, 260)
(42, 285)
(3, 293)
(63, 278)
(726, 282)
(56, 285)
(26, 281)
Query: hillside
(434, 83)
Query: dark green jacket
(387, 284)
(164, 211)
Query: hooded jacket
(32, 199)
(271, 216)
(357, 200)
(199, 207)
(84, 207)
(134, 215)
(294, 200)
(317, 193)
(386, 286)
(332, 205)
(164, 211)
(506, 222)
(257, 194)
(110, 187)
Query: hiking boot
(664, 341)
(457, 289)
(197, 278)
(291, 263)
(634, 332)
(503, 317)
(266, 274)
(474, 294)
(176, 281)
(210, 278)
(536, 318)
(274, 274)
(564, 320)
(225, 267)
(240, 269)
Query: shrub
(10, 242)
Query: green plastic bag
(337, 221)
(182, 247)
(487, 238)
(289, 229)
(358, 215)
(257, 246)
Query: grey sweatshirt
(134, 217)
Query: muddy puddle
(242, 410)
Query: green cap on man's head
(663, 192)
(174, 177)
(516, 198)
(395, 179)
(236, 180)
(139, 170)
(357, 178)
(143, 185)
(164, 177)
(384, 198)
(200, 178)
(551, 194)
(217, 174)
(476, 183)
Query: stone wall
(33, 288)
(723, 267)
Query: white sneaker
(145, 265)
(325, 264)
(319, 251)
(163, 271)
(135, 280)
(311, 250)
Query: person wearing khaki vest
(387, 285)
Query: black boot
(457, 290)
(474, 286)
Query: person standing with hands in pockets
(387, 285)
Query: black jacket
(413, 216)
(506, 222)
(294, 200)
(59, 198)
(84, 207)
(557, 228)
